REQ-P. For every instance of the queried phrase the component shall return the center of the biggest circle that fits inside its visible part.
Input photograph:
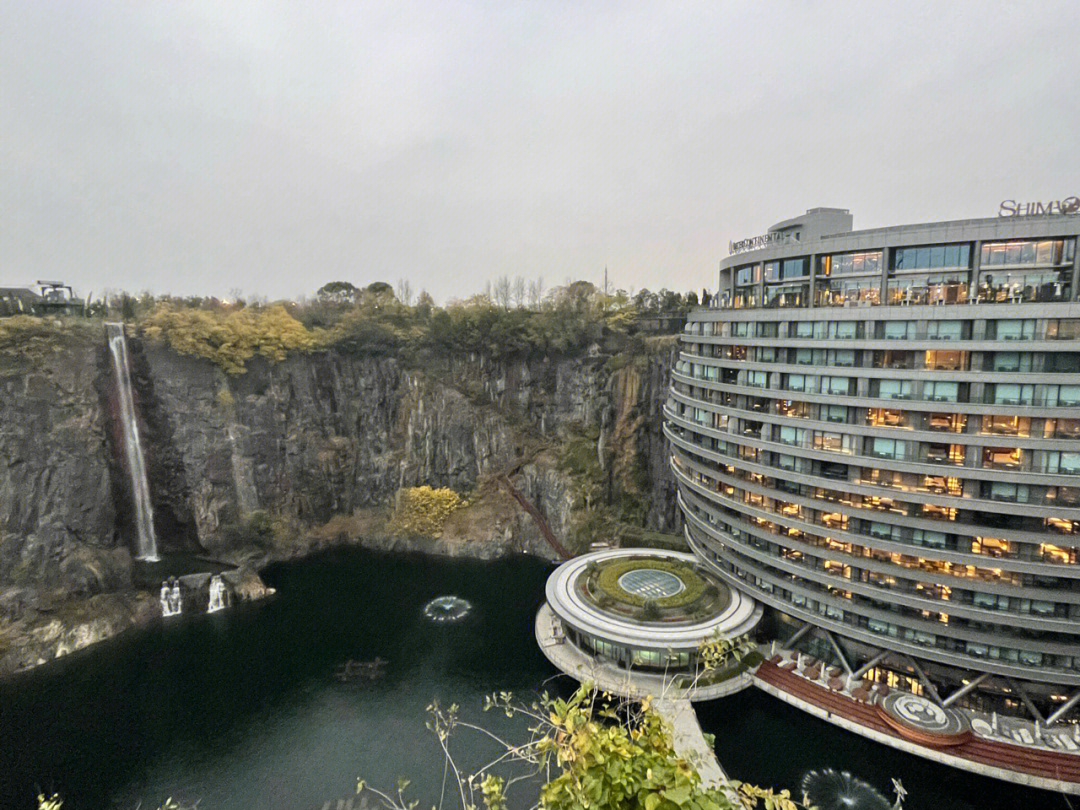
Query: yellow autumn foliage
(230, 338)
(424, 510)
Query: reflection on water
(241, 708)
(447, 609)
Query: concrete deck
(609, 677)
(689, 742)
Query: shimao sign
(1012, 208)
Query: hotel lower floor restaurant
(643, 610)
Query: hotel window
(1041, 253)
(833, 413)
(1062, 362)
(945, 330)
(946, 422)
(789, 407)
(1063, 329)
(1063, 395)
(952, 360)
(1006, 425)
(767, 354)
(792, 436)
(1003, 457)
(1012, 394)
(929, 288)
(836, 442)
(1064, 463)
(800, 382)
(806, 329)
(990, 601)
(843, 358)
(944, 453)
(747, 274)
(843, 330)
(835, 292)
(894, 358)
(795, 268)
(897, 330)
(924, 537)
(842, 264)
(767, 329)
(941, 391)
(1064, 496)
(1062, 429)
(1015, 287)
(757, 379)
(786, 462)
(884, 531)
(740, 329)
(1005, 491)
(928, 258)
(1010, 361)
(780, 296)
(809, 357)
(772, 271)
(893, 389)
(1013, 329)
(887, 448)
(887, 417)
(840, 386)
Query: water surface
(241, 710)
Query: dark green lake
(241, 710)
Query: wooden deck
(1044, 768)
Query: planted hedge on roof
(607, 581)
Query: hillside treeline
(379, 320)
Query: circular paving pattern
(924, 718)
(649, 583)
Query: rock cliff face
(316, 439)
(328, 434)
(58, 519)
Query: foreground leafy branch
(593, 751)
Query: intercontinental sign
(755, 242)
(1012, 208)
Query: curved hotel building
(877, 434)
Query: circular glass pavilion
(645, 608)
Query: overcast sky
(204, 147)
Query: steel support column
(1061, 710)
(963, 690)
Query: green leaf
(679, 795)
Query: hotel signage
(755, 242)
(1012, 208)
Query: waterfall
(140, 487)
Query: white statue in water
(217, 594)
(166, 610)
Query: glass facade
(907, 478)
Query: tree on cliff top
(230, 338)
